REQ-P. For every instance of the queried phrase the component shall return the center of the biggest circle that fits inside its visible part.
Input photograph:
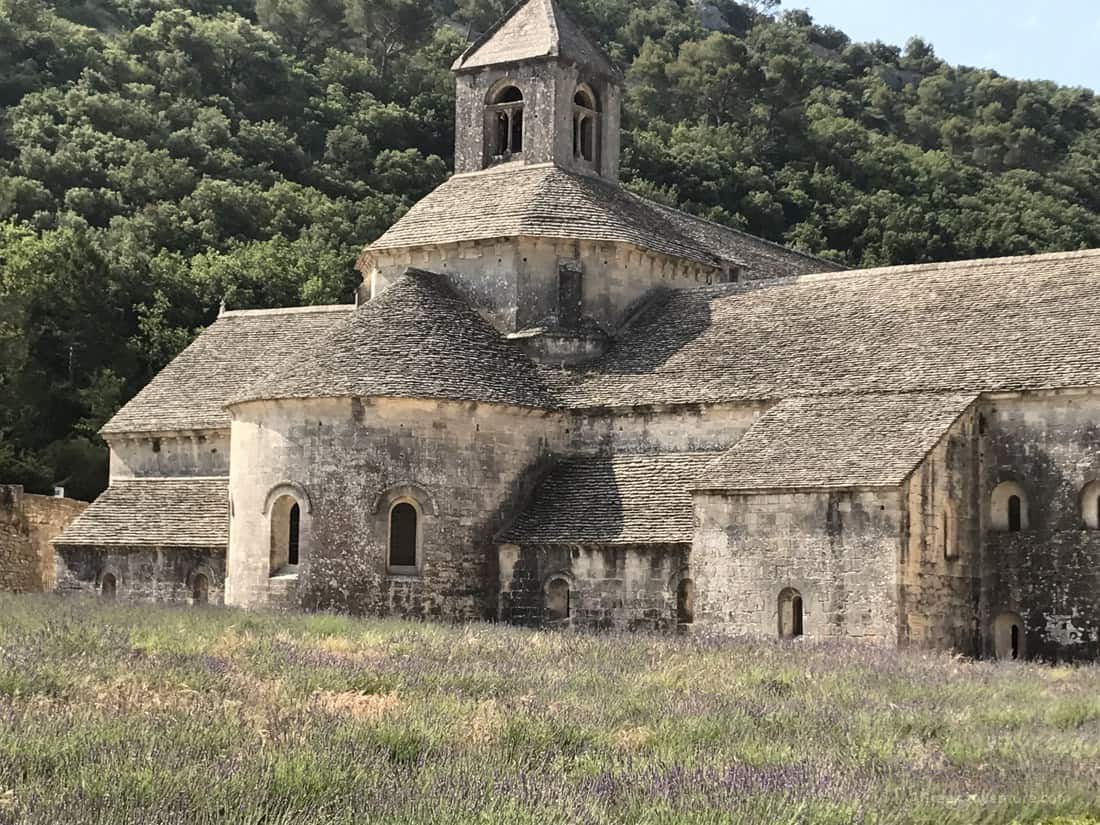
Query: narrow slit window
(504, 130)
(294, 538)
(1015, 514)
(1009, 509)
(515, 142)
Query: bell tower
(534, 90)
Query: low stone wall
(835, 550)
(28, 523)
(161, 575)
(608, 587)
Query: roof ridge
(237, 313)
(967, 393)
(939, 266)
(660, 454)
(718, 476)
(555, 42)
(513, 168)
(736, 231)
(488, 33)
(143, 479)
(564, 40)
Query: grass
(112, 714)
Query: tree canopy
(157, 159)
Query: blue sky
(1028, 40)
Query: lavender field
(141, 715)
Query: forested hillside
(157, 158)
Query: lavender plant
(119, 715)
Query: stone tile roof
(837, 441)
(759, 258)
(155, 512)
(622, 499)
(190, 393)
(541, 201)
(974, 326)
(418, 339)
(534, 29)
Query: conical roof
(418, 339)
(534, 29)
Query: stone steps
(282, 591)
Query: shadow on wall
(666, 321)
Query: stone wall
(1048, 573)
(204, 453)
(837, 549)
(686, 428)
(142, 574)
(465, 467)
(28, 523)
(514, 281)
(628, 587)
(940, 563)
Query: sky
(1018, 38)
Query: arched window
(200, 589)
(286, 535)
(790, 614)
(1008, 508)
(557, 600)
(404, 538)
(108, 586)
(1008, 636)
(586, 121)
(685, 601)
(1090, 505)
(505, 114)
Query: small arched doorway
(404, 539)
(200, 589)
(685, 602)
(790, 614)
(108, 587)
(557, 600)
(1009, 637)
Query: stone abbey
(558, 403)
